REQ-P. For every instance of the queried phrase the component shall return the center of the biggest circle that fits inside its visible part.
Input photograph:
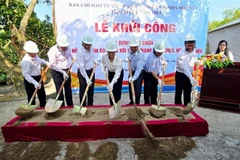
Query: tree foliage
(18, 23)
(228, 16)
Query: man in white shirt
(152, 69)
(31, 71)
(137, 62)
(60, 59)
(184, 67)
(115, 72)
(85, 61)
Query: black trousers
(137, 87)
(117, 87)
(29, 87)
(150, 88)
(58, 79)
(82, 88)
(182, 84)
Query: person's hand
(65, 75)
(48, 65)
(194, 81)
(97, 61)
(110, 87)
(88, 81)
(130, 79)
(37, 85)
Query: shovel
(133, 90)
(158, 111)
(115, 109)
(25, 110)
(53, 105)
(81, 109)
(194, 96)
(142, 121)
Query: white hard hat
(190, 37)
(111, 46)
(87, 38)
(134, 42)
(62, 40)
(31, 47)
(159, 46)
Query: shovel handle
(35, 92)
(110, 92)
(160, 92)
(88, 85)
(64, 81)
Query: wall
(231, 34)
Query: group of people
(60, 59)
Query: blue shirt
(153, 63)
(137, 63)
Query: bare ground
(223, 141)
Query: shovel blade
(83, 111)
(31, 107)
(158, 108)
(53, 105)
(76, 109)
(112, 113)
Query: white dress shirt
(115, 66)
(85, 61)
(31, 67)
(59, 60)
(137, 63)
(153, 63)
(185, 62)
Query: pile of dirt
(157, 113)
(132, 114)
(17, 123)
(106, 151)
(174, 148)
(57, 114)
(177, 111)
(42, 150)
(77, 151)
(13, 151)
(24, 113)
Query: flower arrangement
(215, 61)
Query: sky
(215, 11)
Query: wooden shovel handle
(160, 92)
(86, 90)
(64, 81)
(35, 92)
(132, 86)
(110, 92)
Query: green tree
(19, 23)
(228, 16)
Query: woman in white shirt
(223, 50)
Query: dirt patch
(50, 116)
(41, 124)
(25, 113)
(157, 113)
(13, 151)
(106, 151)
(105, 112)
(132, 114)
(168, 149)
(89, 113)
(177, 111)
(77, 151)
(42, 150)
